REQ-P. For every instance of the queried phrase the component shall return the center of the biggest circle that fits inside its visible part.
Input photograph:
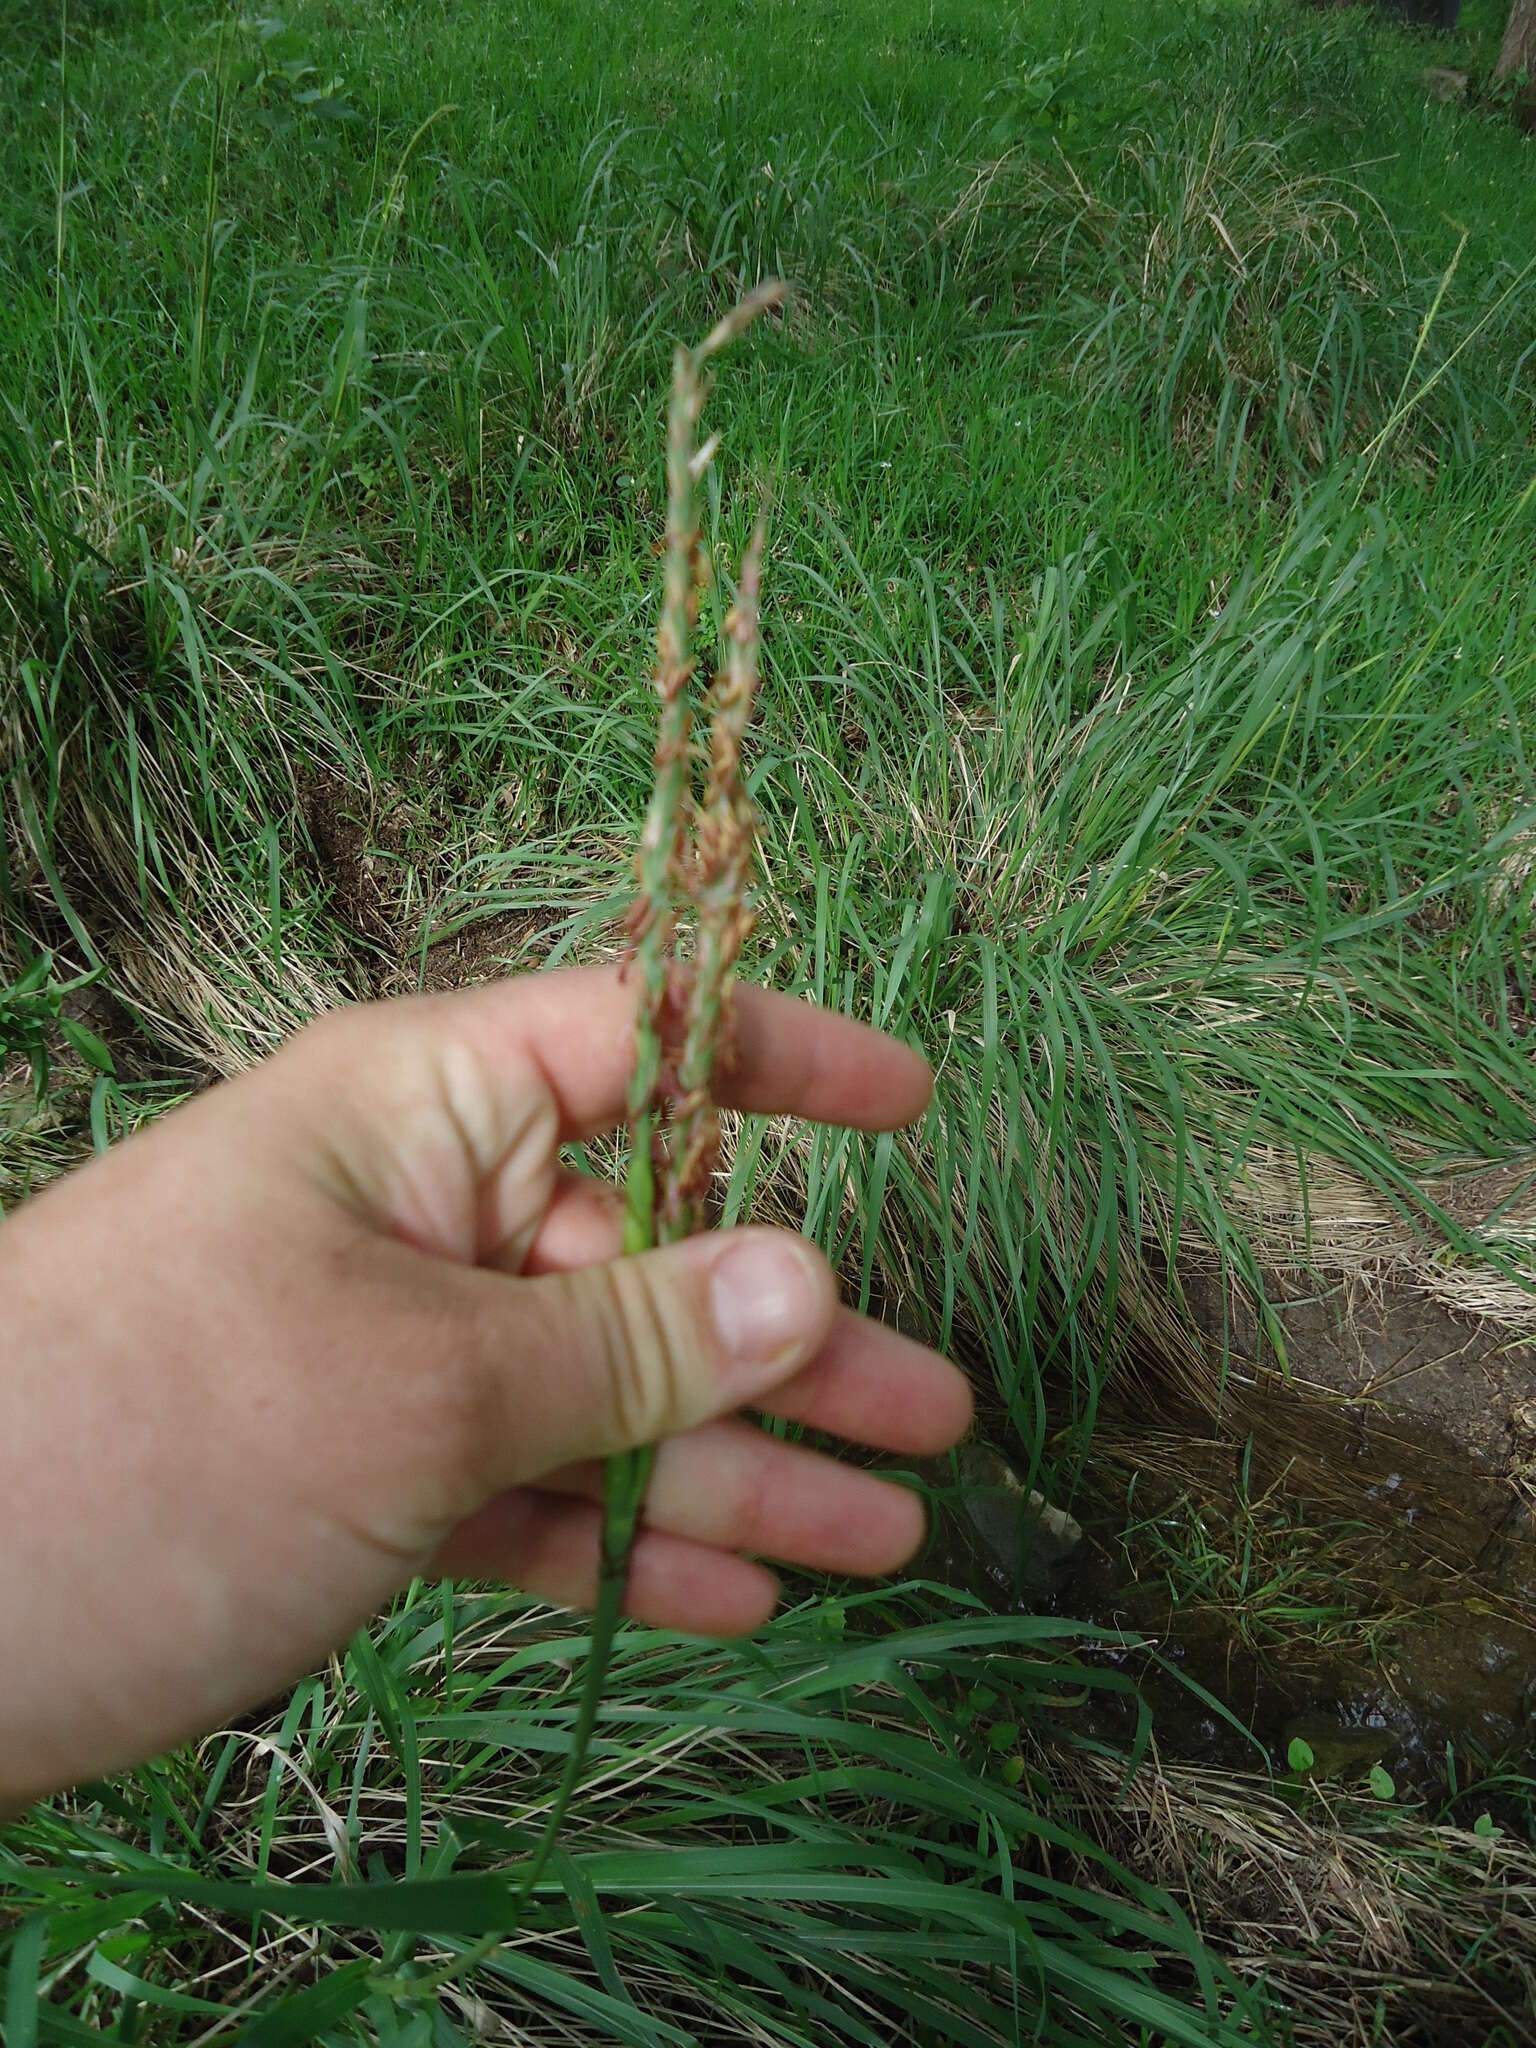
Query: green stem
(625, 1479)
(719, 888)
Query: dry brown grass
(1362, 1922)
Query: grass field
(1151, 643)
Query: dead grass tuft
(1369, 1926)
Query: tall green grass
(1147, 672)
(830, 1833)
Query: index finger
(791, 1058)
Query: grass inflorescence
(674, 1124)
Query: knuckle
(753, 1519)
(641, 1352)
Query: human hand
(348, 1319)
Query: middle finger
(734, 1487)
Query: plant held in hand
(675, 1128)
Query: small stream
(1439, 1565)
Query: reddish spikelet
(724, 838)
(652, 917)
(716, 878)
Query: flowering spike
(672, 1159)
(722, 867)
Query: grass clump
(1251, 310)
(827, 1834)
(1370, 1920)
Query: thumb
(616, 1355)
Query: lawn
(1150, 641)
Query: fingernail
(770, 1298)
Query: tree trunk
(1518, 50)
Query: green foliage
(1142, 732)
(1040, 95)
(1282, 1584)
(810, 1853)
(33, 1016)
(275, 64)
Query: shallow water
(1435, 1545)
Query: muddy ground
(1395, 1453)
